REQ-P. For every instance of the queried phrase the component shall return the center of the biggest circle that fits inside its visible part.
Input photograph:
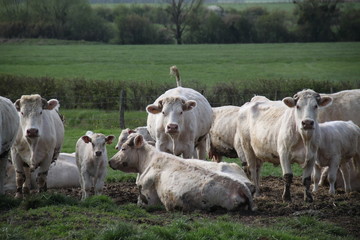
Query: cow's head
(306, 104)
(98, 141)
(127, 159)
(171, 111)
(123, 137)
(30, 108)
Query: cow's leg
(324, 175)
(333, 168)
(99, 185)
(252, 167)
(240, 151)
(3, 163)
(287, 174)
(87, 185)
(27, 183)
(346, 176)
(316, 177)
(309, 166)
(201, 148)
(41, 178)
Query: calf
(339, 142)
(91, 159)
(38, 142)
(282, 132)
(9, 125)
(177, 184)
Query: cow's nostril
(32, 132)
(98, 153)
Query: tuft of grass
(102, 202)
(7, 202)
(46, 199)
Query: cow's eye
(297, 107)
(316, 106)
(123, 149)
(40, 112)
(22, 113)
(181, 112)
(163, 113)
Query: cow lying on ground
(179, 121)
(177, 183)
(9, 125)
(91, 159)
(126, 132)
(63, 173)
(339, 142)
(38, 142)
(282, 132)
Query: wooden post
(122, 108)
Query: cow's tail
(174, 71)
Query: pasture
(205, 64)
(60, 215)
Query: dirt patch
(342, 209)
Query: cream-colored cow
(181, 184)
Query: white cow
(9, 125)
(38, 142)
(63, 173)
(126, 132)
(345, 107)
(339, 142)
(223, 137)
(179, 121)
(177, 184)
(91, 159)
(282, 133)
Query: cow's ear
(51, 104)
(154, 109)
(325, 101)
(289, 101)
(17, 105)
(188, 105)
(138, 141)
(86, 139)
(109, 139)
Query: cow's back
(345, 106)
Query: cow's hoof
(18, 196)
(26, 191)
(308, 197)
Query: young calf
(91, 159)
(178, 183)
(126, 132)
(340, 141)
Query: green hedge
(82, 93)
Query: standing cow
(38, 142)
(182, 185)
(9, 125)
(340, 141)
(223, 137)
(179, 121)
(284, 132)
(91, 159)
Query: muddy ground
(342, 209)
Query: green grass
(207, 64)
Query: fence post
(122, 108)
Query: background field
(208, 64)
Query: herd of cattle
(319, 131)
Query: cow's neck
(146, 155)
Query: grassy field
(209, 64)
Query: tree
(316, 19)
(179, 12)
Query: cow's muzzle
(307, 124)
(172, 128)
(32, 132)
(98, 153)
